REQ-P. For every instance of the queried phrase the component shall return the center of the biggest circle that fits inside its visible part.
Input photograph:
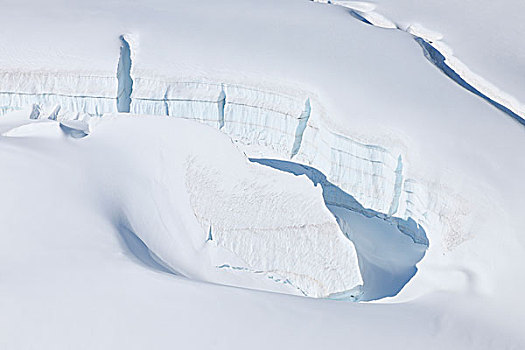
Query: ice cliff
(263, 122)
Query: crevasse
(263, 122)
(72, 91)
(125, 83)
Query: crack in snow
(435, 51)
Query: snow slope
(486, 37)
(309, 84)
(167, 197)
(495, 79)
(76, 270)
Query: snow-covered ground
(337, 162)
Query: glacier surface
(399, 170)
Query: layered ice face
(69, 92)
(292, 250)
(200, 210)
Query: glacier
(125, 83)
(283, 123)
(73, 93)
(405, 241)
(287, 125)
(274, 122)
(439, 54)
(288, 243)
(336, 163)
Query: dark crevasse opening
(358, 16)
(125, 83)
(434, 56)
(221, 103)
(388, 248)
(301, 127)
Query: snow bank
(284, 79)
(359, 104)
(199, 207)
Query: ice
(73, 92)
(167, 206)
(283, 124)
(489, 24)
(404, 241)
(419, 194)
(125, 83)
(480, 88)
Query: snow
(388, 248)
(100, 211)
(485, 37)
(315, 259)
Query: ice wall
(72, 91)
(261, 121)
(125, 83)
(294, 125)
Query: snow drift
(197, 211)
(398, 168)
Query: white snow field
(261, 174)
(479, 47)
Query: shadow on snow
(388, 248)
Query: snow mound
(287, 236)
(201, 207)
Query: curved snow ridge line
(441, 56)
(361, 226)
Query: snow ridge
(441, 56)
(442, 62)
